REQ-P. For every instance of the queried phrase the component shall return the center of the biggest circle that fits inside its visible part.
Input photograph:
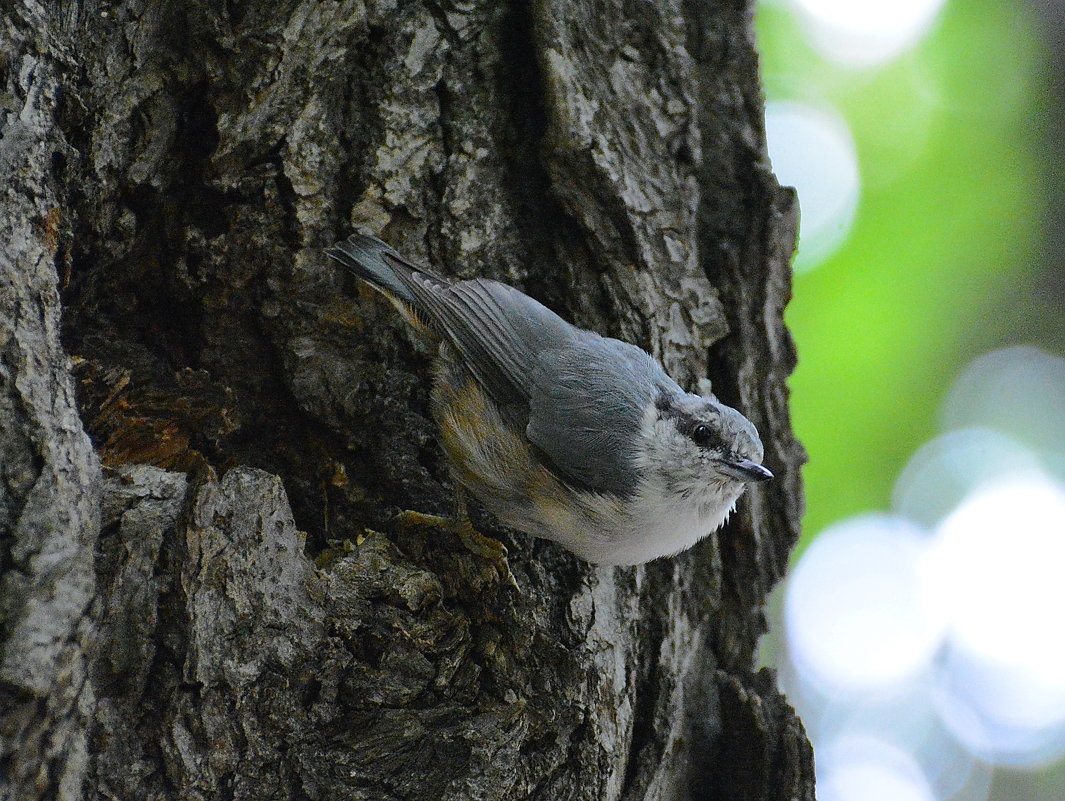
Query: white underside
(609, 531)
(657, 529)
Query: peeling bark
(226, 609)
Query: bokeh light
(866, 769)
(945, 470)
(921, 636)
(866, 32)
(1019, 390)
(993, 711)
(945, 635)
(1000, 556)
(812, 150)
(860, 610)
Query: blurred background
(921, 633)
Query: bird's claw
(474, 541)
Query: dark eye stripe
(703, 434)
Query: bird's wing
(498, 330)
(588, 409)
(581, 397)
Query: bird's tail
(365, 257)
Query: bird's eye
(702, 434)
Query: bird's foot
(474, 541)
(408, 519)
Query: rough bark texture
(224, 609)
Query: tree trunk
(224, 608)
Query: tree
(231, 409)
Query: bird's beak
(746, 471)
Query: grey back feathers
(588, 408)
(580, 397)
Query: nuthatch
(560, 432)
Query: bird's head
(698, 448)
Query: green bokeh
(946, 229)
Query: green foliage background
(944, 245)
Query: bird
(558, 431)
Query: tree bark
(203, 593)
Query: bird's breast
(656, 527)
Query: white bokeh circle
(865, 33)
(999, 558)
(868, 769)
(812, 150)
(860, 611)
